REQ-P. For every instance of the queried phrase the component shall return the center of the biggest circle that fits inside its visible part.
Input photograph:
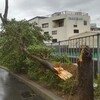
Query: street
(12, 89)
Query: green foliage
(28, 62)
(40, 50)
(97, 89)
(14, 33)
(50, 78)
(32, 73)
(62, 59)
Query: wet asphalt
(12, 89)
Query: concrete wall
(70, 19)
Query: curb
(44, 93)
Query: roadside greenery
(13, 56)
(97, 89)
(19, 40)
(60, 59)
(12, 35)
(50, 79)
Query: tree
(4, 17)
(85, 76)
(18, 36)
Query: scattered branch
(1, 17)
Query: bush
(51, 79)
(34, 71)
(97, 89)
(16, 36)
(61, 59)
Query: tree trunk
(4, 17)
(45, 63)
(6, 10)
(85, 77)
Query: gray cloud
(76, 3)
(27, 9)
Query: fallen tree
(12, 31)
(45, 63)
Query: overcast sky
(27, 9)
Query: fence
(72, 48)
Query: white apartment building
(94, 27)
(62, 25)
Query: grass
(97, 89)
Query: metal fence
(72, 48)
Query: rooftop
(68, 13)
(61, 13)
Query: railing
(67, 13)
(72, 48)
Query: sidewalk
(44, 93)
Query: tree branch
(1, 17)
(6, 10)
(42, 61)
(23, 47)
(45, 63)
(4, 17)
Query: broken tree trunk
(85, 76)
(63, 74)
(45, 63)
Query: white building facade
(62, 25)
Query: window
(54, 40)
(75, 18)
(85, 22)
(45, 33)
(61, 23)
(75, 25)
(54, 32)
(45, 25)
(58, 23)
(76, 31)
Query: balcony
(58, 23)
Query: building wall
(80, 24)
(66, 31)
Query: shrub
(97, 89)
(61, 59)
(50, 78)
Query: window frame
(46, 33)
(53, 40)
(74, 25)
(85, 22)
(76, 30)
(54, 32)
(45, 25)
